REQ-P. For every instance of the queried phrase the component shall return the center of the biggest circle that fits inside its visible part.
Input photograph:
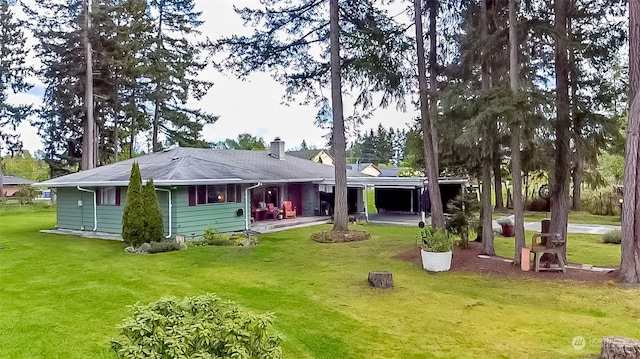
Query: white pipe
(422, 203)
(170, 207)
(95, 206)
(366, 202)
(247, 212)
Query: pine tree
(630, 246)
(13, 74)
(60, 119)
(134, 213)
(153, 224)
(173, 69)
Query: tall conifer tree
(13, 74)
(173, 69)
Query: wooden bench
(554, 245)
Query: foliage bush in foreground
(613, 237)
(196, 327)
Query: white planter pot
(436, 262)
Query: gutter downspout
(366, 202)
(95, 206)
(247, 213)
(170, 208)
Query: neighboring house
(366, 168)
(199, 188)
(11, 185)
(391, 171)
(321, 156)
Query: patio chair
(289, 209)
(272, 211)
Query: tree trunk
(516, 163)
(88, 136)
(497, 180)
(578, 174)
(433, 78)
(487, 220)
(560, 183)
(430, 156)
(340, 220)
(155, 145)
(486, 146)
(630, 247)
(619, 348)
(381, 279)
(578, 158)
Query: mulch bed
(467, 260)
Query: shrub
(133, 216)
(613, 237)
(604, 203)
(164, 246)
(463, 211)
(26, 194)
(196, 327)
(153, 225)
(436, 240)
(212, 237)
(340, 236)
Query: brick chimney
(276, 148)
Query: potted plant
(437, 248)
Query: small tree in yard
(134, 214)
(153, 226)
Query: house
(366, 168)
(11, 185)
(199, 188)
(321, 156)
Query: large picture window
(210, 194)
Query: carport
(406, 195)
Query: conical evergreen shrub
(154, 227)
(133, 216)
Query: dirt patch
(340, 236)
(467, 260)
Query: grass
(581, 248)
(63, 296)
(575, 217)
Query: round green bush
(196, 327)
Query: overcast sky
(253, 106)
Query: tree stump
(381, 279)
(619, 348)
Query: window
(213, 194)
(108, 196)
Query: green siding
(72, 216)
(193, 220)
(69, 214)
(187, 220)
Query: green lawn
(581, 248)
(577, 217)
(61, 297)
